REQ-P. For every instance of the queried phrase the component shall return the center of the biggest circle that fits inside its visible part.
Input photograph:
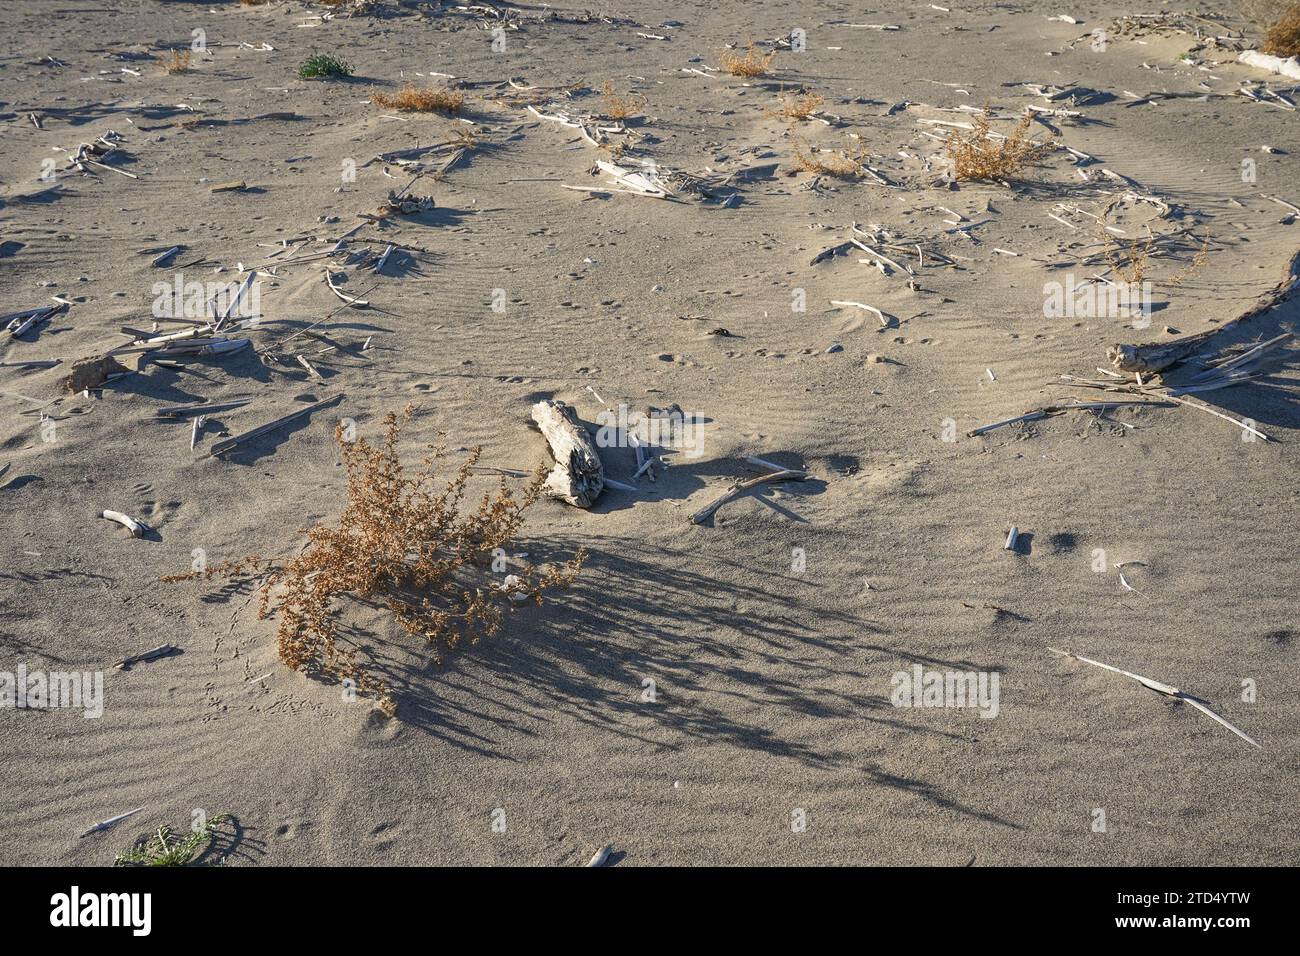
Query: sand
(771, 633)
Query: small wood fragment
(136, 527)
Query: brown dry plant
(420, 100)
(753, 62)
(822, 162)
(621, 107)
(1283, 37)
(1133, 261)
(404, 538)
(178, 61)
(981, 155)
(798, 106)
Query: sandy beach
(819, 293)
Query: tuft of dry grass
(1283, 37)
(620, 107)
(419, 100)
(979, 155)
(406, 542)
(178, 61)
(753, 62)
(836, 163)
(798, 106)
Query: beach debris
(602, 855)
(137, 528)
(229, 186)
(111, 821)
(91, 372)
(578, 476)
(162, 650)
(406, 206)
(1050, 410)
(1286, 66)
(19, 323)
(740, 487)
(1012, 536)
(93, 154)
(221, 447)
(162, 259)
(1161, 688)
(884, 322)
(350, 300)
(1158, 356)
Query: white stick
(137, 528)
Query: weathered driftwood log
(1158, 356)
(578, 476)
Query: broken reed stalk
(1160, 688)
(404, 539)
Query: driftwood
(1049, 410)
(578, 476)
(105, 824)
(1157, 357)
(602, 855)
(222, 447)
(136, 527)
(1161, 688)
(738, 489)
(163, 650)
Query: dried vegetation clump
(420, 100)
(981, 154)
(620, 107)
(753, 62)
(402, 539)
(178, 61)
(1133, 261)
(798, 106)
(1283, 37)
(822, 162)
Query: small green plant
(324, 64)
(167, 848)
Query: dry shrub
(827, 163)
(798, 106)
(752, 62)
(980, 156)
(620, 107)
(420, 100)
(403, 540)
(1283, 37)
(178, 61)
(1133, 261)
